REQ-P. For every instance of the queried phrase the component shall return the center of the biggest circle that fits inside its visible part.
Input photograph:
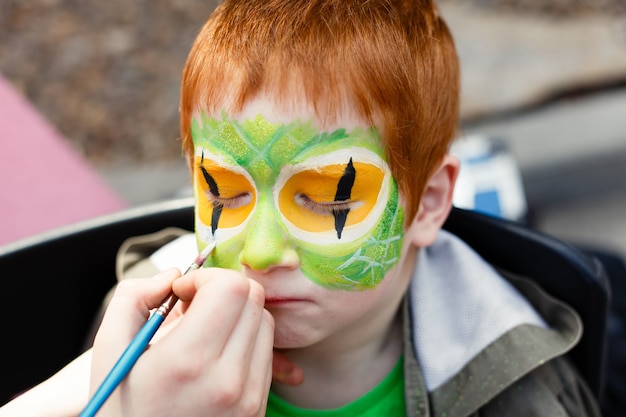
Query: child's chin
(289, 342)
(286, 339)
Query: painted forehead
(256, 143)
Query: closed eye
(327, 208)
(231, 202)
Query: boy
(317, 135)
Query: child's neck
(333, 378)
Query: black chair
(55, 283)
(614, 394)
(54, 286)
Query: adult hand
(215, 357)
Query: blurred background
(89, 116)
(545, 79)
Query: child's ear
(435, 204)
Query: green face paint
(269, 191)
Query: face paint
(264, 190)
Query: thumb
(284, 371)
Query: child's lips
(283, 301)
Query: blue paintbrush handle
(124, 364)
(139, 344)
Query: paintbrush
(139, 344)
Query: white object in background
(489, 180)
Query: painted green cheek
(361, 264)
(226, 255)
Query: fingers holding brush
(235, 342)
(216, 360)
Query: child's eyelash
(322, 208)
(231, 202)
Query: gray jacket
(509, 348)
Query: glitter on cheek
(228, 255)
(360, 264)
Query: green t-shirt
(386, 399)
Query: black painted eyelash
(231, 202)
(322, 208)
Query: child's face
(313, 214)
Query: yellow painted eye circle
(225, 194)
(308, 198)
(312, 195)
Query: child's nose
(267, 245)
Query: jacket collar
(458, 337)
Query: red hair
(393, 63)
